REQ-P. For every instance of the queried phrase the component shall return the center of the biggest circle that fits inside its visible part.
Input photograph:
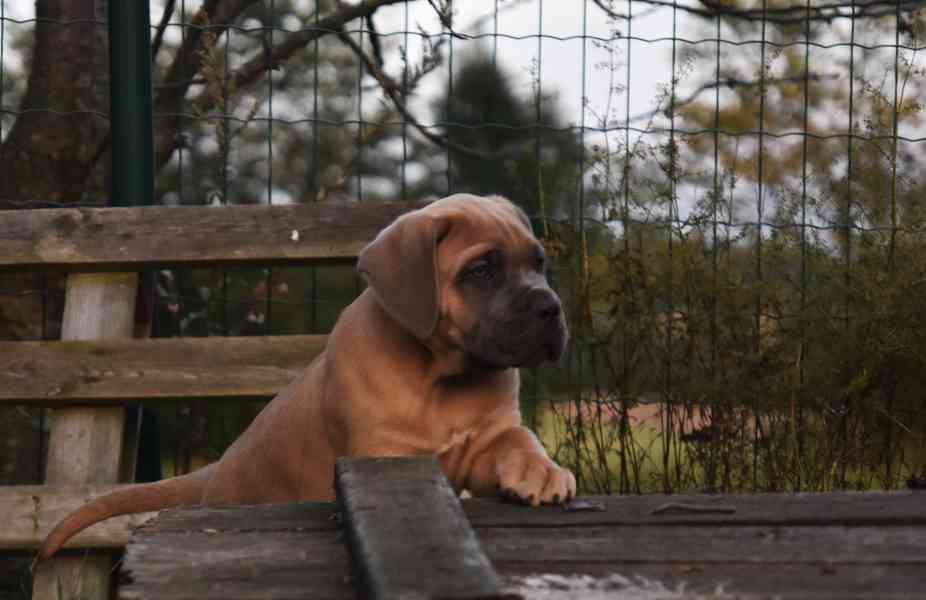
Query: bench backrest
(59, 373)
(85, 445)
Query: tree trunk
(48, 158)
(51, 149)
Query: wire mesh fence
(728, 193)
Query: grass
(645, 460)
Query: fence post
(85, 444)
(130, 92)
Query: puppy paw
(533, 479)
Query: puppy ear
(517, 210)
(523, 216)
(400, 266)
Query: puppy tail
(176, 491)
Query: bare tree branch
(255, 68)
(444, 10)
(796, 13)
(392, 89)
(375, 42)
(395, 92)
(733, 84)
(162, 26)
(215, 16)
(608, 10)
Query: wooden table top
(789, 546)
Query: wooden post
(408, 535)
(85, 444)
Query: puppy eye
(480, 270)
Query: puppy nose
(546, 307)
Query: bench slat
(30, 511)
(132, 239)
(103, 372)
(902, 508)
(239, 552)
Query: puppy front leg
(516, 465)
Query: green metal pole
(130, 101)
(133, 176)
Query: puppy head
(467, 271)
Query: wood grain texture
(783, 546)
(768, 545)
(85, 444)
(267, 551)
(114, 371)
(700, 581)
(268, 518)
(408, 535)
(835, 508)
(30, 511)
(131, 239)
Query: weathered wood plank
(132, 239)
(407, 532)
(699, 581)
(769, 545)
(115, 371)
(836, 508)
(267, 551)
(269, 518)
(85, 444)
(540, 556)
(30, 511)
(289, 582)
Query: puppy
(425, 361)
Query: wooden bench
(88, 376)
(397, 531)
(398, 517)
